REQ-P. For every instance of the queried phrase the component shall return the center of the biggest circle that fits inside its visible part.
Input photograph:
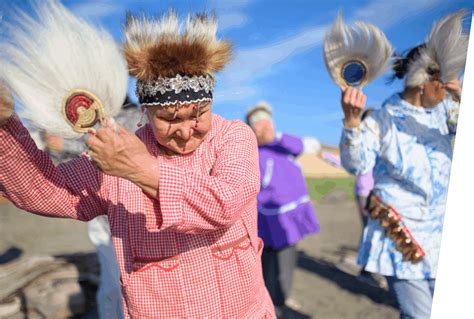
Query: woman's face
(264, 131)
(433, 92)
(181, 132)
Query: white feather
(450, 45)
(446, 50)
(362, 41)
(417, 73)
(55, 53)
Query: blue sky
(278, 50)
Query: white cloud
(389, 13)
(231, 20)
(96, 10)
(234, 93)
(249, 62)
(230, 13)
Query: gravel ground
(321, 288)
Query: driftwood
(48, 287)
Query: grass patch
(318, 188)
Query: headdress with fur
(444, 51)
(363, 43)
(67, 74)
(174, 65)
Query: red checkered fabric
(191, 252)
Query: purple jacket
(286, 214)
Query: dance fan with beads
(68, 75)
(356, 55)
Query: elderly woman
(180, 195)
(407, 143)
(285, 213)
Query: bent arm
(290, 144)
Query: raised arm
(31, 181)
(289, 144)
(360, 142)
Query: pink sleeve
(32, 182)
(194, 202)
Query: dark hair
(366, 113)
(128, 103)
(401, 62)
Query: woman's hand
(454, 88)
(118, 152)
(353, 102)
(6, 105)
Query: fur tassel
(54, 53)
(362, 41)
(158, 48)
(446, 50)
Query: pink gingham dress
(193, 251)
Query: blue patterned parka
(409, 149)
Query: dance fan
(67, 74)
(357, 54)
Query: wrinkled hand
(118, 152)
(353, 102)
(6, 105)
(54, 142)
(454, 88)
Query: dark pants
(278, 268)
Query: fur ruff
(362, 41)
(446, 51)
(158, 48)
(54, 52)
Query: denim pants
(414, 297)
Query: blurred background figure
(285, 212)
(109, 297)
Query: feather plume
(5, 96)
(361, 41)
(446, 50)
(54, 53)
(160, 48)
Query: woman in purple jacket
(285, 212)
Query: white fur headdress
(445, 51)
(61, 69)
(361, 42)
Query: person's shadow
(10, 254)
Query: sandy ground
(320, 287)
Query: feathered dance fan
(67, 74)
(445, 52)
(174, 65)
(356, 55)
